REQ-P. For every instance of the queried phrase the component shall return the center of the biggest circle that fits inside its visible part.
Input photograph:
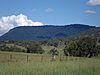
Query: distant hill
(45, 32)
(92, 32)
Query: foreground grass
(69, 67)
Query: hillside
(44, 32)
(92, 32)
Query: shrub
(36, 48)
(83, 47)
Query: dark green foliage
(54, 51)
(36, 48)
(21, 46)
(83, 47)
(16, 49)
(71, 48)
(98, 50)
(4, 47)
(39, 33)
(92, 32)
(53, 42)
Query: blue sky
(58, 12)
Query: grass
(87, 66)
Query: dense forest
(46, 32)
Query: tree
(3, 47)
(53, 52)
(97, 50)
(70, 49)
(82, 47)
(87, 46)
(35, 49)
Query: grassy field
(17, 64)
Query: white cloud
(90, 12)
(9, 22)
(49, 10)
(93, 2)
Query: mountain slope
(92, 32)
(44, 32)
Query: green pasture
(34, 64)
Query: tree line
(80, 47)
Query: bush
(14, 48)
(54, 52)
(3, 47)
(83, 47)
(36, 48)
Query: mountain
(45, 32)
(92, 32)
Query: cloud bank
(93, 2)
(9, 22)
(90, 12)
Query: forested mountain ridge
(45, 32)
(92, 32)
